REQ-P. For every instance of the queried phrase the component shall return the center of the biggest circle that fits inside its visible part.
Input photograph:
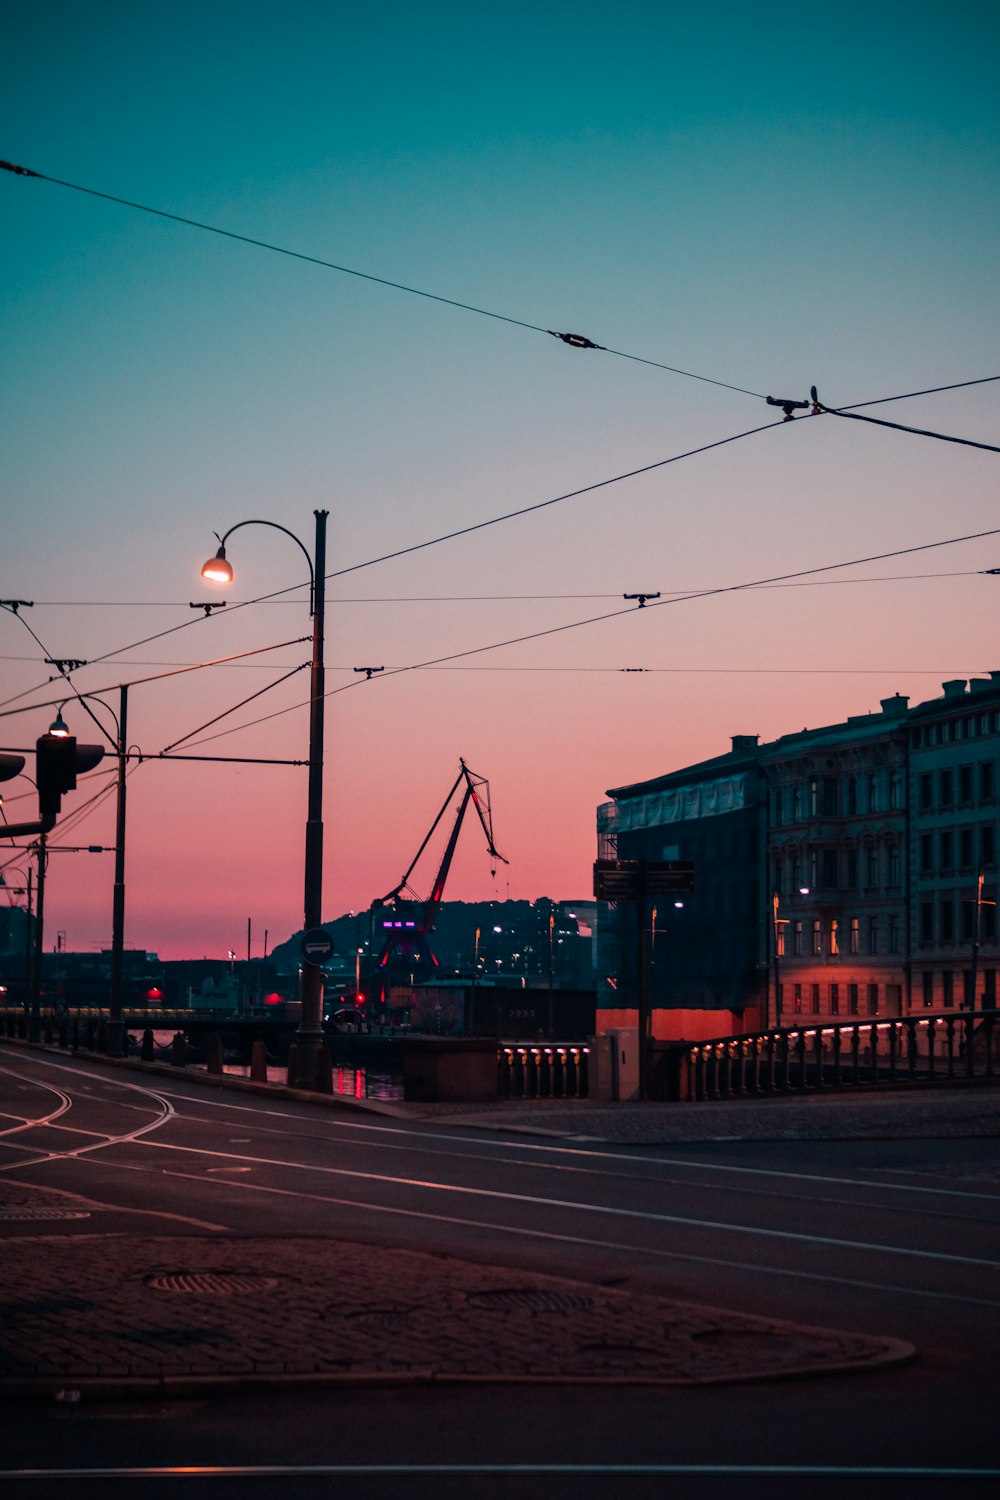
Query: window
(928, 988)
(798, 940)
(948, 987)
(834, 937)
(926, 793)
(873, 999)
(855, 935)
(873, 797)
(988, 843)
(852, 795)
(894, 999)
(817, 936)
(829, 794)
(947, 918)
(852, 869)
(893, 866)
(815, 999)
(813, 797)
(835, 999)
(779, 939)
(853, 1004)
(873, 934)
(945, 860)
(944, 788)
(964, 848)
(926, 853)
(926, 922)
(872, 866)
(895, 790)
(965, 783)
(830, 867)
(988, 923)
(894, 934)
(797, 999)
(778, 872)
(986, 781)
(968, 920)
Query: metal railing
(543, 1071)
(945, 1047)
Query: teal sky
(766, 197)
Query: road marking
(536, 1201)
(514, 1470)
(630, 1158)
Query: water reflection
(365, 1082)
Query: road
(896, 1238)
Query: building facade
(842, 872)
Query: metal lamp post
(309, 1036)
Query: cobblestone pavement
(86, 1315)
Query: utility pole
(34, 1017)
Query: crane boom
(406, 935)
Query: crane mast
(407, 923)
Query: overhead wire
(616, 614)
(574, 340)
(854, 416)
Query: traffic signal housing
(58, 762)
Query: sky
(768, 200)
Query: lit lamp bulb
(217, 569)
(59, 727)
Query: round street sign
(317, 945)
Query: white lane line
(572, 1151)
(513, 1470)
(535, 1201)
(628, 1247)
(681, 1163)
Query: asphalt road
(890, 1237)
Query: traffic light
(58, 762)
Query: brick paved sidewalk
(87, 1315)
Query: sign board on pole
(667, 877)
(631, 879)
(616, 879)
(317, 946)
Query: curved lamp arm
(221, 554)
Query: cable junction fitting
(788, 407)
(641, 598)
(575, 340)
(368, 671)
(208, 607)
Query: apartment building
(846, 871)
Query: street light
(218, 570)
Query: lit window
(855, 935)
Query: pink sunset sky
(826, 217)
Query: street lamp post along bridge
(218, 569)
